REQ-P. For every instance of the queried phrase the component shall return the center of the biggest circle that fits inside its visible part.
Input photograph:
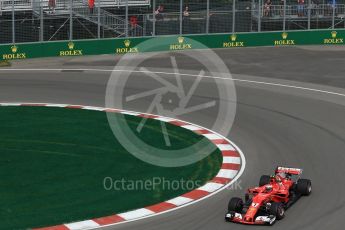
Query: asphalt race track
(274, 125)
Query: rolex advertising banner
(169, 43)
(288, 38)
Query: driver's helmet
(268, 188)
(282, 174)
(277, 177)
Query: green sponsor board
(170, 43)
(289, 38)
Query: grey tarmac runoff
(290, 111)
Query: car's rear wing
(292, 171)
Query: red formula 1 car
(267, 203)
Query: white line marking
(10, 104)
(57, 105)
(165, 119)
(93, 108)
(224, 147)
(136, 214)
(82, 225)
(178, 201)
(211, 187)
(191, 127)
(232, 160)
(188, 75)
(130, 113)
(227, 173)
(212, 136)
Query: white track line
(190, 75)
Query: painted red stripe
(221, 180)
(229, 153)
(202, 131)
(57, 227)
(178, 123)
(231, 166)
(161, 207)
(220, 141)
(74, 106)
(108, 220)
(196, 194)
(147, 116)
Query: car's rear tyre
(278, 210)
(304, 187)
(235, 205)
(264, 179)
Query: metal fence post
(41, 21)
(154, 18)
(309, 13)
(259, 16)
(284, 16)
(126, 25)
(13, 25)
(333, 14)
(208, 17)
(71, 21)
(99, 20)
(181, 17)
(233, 15)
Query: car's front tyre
(235, 205)
(278, 210)
(304, 187)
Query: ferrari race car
(267, 203)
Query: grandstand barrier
(130, 45)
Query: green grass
(54, 161)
